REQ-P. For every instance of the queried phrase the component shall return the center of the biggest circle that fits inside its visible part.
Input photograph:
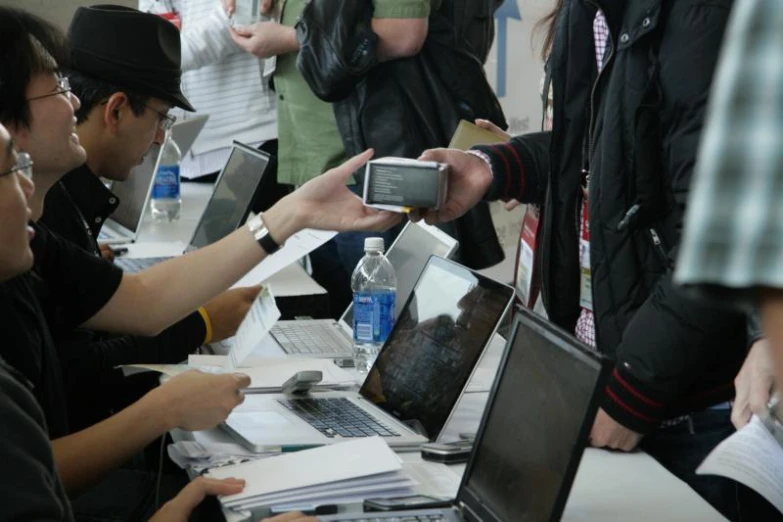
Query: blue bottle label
(166, 182)
(373, 316)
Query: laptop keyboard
(338, 416)
(134, 265)
(312, 339)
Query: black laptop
(532, 434)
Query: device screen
(403, 185)
(533, 427)
(435, 345)
(232, 197)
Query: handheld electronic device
(372, 505)
(302, 382)
(448, 453)
(402, 184)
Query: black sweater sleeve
(519, 168)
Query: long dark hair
(548, 24)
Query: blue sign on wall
(509, 10)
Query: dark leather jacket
(402, 107)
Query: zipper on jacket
(658, 246)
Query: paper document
(269, 374)
(752, 457)
(297, 246)
(303, 470)
(260, 319)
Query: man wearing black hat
(125, 70)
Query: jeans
(682, 448)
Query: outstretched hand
(326, 203)
(469, 180)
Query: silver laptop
(417, 379)
(532, 434)
(329, 338)
(134, 193)
(235, 191)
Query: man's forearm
(772, 321)
(400, 37)
(85, 457)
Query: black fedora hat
(137, 51)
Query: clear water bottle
(374, 286)
(166, 201)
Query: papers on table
(348, 471)
(267, 375)
(752, 457)
(260, 319)
(295, 248)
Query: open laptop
(532, 434)
(411, 390)
(235, 191)
(134, 193)
(329, 338)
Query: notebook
(328, 338)
(532, 434)
(134, 193)
(411, 390)
(235, 191)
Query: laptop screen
(234, 192)
(408, 255)
(536, 426)
(448, 320)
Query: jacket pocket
(659, 248)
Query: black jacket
(76, 209)
(637, 135)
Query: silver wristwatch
(262, 236)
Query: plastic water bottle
(374, 286)
(166, 201)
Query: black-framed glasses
(63, 87)
(167, 121)
(24, 164)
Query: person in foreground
(70, 288)
(33, 490)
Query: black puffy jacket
(635, 128)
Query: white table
(608, 486)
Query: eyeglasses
(166, 121)
(63, 87)
(24, 164)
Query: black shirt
(77, 206)
(76, 209)
(66, 287)
(30, 488)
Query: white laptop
(532, 435)
(417, 379)
(232, 199)
(329, 338)
(134, 193)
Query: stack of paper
(339, 473)
(267, 374)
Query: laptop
(235, 191)
(411, 390)
(532, 434)
(134, 193)
(329, 338)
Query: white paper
(752, 457)
(347, 460)
(435, 479)
(269, 374)
(260, 319)
(297, 246)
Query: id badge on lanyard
(526, 278)
(585, 271)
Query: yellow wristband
(207, 324)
